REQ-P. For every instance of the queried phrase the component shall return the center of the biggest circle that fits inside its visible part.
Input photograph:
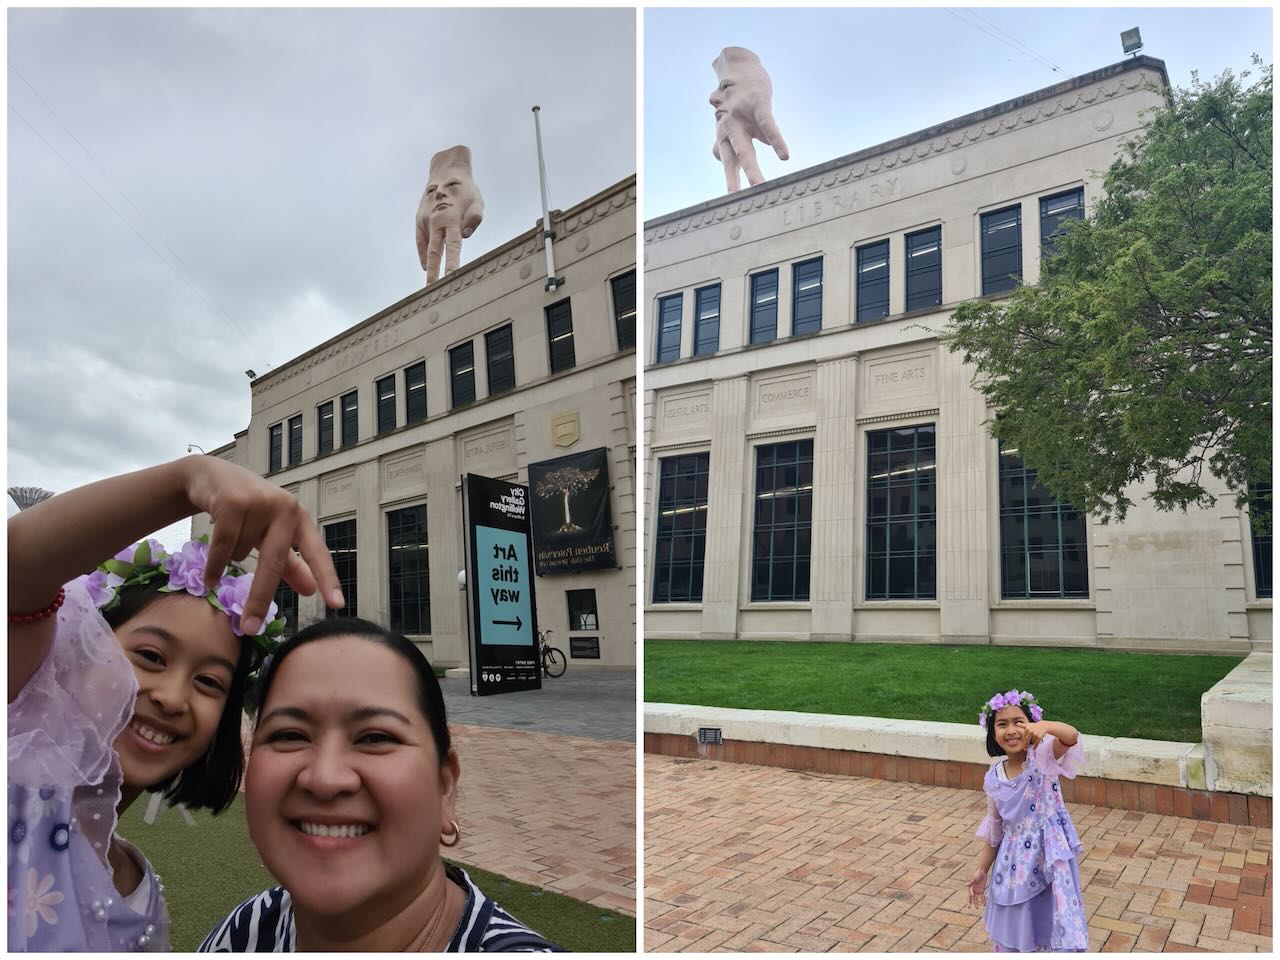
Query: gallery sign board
(501, 611)
(572, 518)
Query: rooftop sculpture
(450, 210)
(743, 101)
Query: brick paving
(551, 810)
(750, 858)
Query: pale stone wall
(496, 436)
(1172, 582)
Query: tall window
(1260, 511)
(501, 359)
(1042, 540)
(275, 447)
(286, 600)
(680, 546)
(560, 336)
(386, 388)
(669, 309)
(340, 538)
(295, 440)
(783, 521)
(806, 297)
(1001, 250)
(410, 587)
(706, 328)
(873, 281)
(764, 306)
(415, 392)
(1055, 213)
(901, 546)
(462, 375)
(624, 309)
(324, 429)
(350, 418)
(924, 269)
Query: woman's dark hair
(430, 698)
(212, 781)
(992, 749)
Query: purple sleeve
(992, 827)
(1068, 765)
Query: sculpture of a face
(743, 104)
(450, 210)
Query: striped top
(264, 924)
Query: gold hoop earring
(455, 833)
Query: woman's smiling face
(346, 795)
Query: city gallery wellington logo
(564, 483)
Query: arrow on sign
(517, 623)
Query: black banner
(500, 601)
(572, 519)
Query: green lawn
(211, 868)
(1153, 696)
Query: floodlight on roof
(1131, 40)
(251, 375)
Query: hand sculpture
(744, 111)
(451, 209)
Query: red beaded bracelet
(39, 615)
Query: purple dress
(1034, 898)
(64, 784)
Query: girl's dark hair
(430, 698)
(212, 781)
(992, 749)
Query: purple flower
(982, 720)
(126, 555)
(186, 568)
(102, 587)
(1012, 697)
(1036, 713)
(997, 702)
(233, 594)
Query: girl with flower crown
(131, 678)
(1034, 899)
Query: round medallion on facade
(735, 233)
(525, 271)
(433, 317)
(1104, 119)
(958, 164)
(582, 244)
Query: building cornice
(1083, 91)
(528, 244)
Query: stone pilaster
(835, 493)
(725, 531)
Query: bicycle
(554, 663)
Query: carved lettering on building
(784, 393)
(902, 375)
(485, 447)
(839, 203)
(336, 488)
(686, 412)
(678, 411)
(493, 451)
(888, 379)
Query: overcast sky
(233, 187)
(844, 80)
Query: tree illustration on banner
(565, 482)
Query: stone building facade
(485, 371)
(816, 462)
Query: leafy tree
(1145, 351)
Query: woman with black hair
(1035, 899)
(131, 678)
(350, 795)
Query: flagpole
(548, 235)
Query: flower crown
(1011, 699)
(143, 562)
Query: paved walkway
(748, 858)
(588, 702)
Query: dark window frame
(623, 291)
(500, 361)
(763, 320)
(275, 447)
(920, 293)
(804, 320)
(871, 296)
(350, 413)
(901, 544)
(340, 539)
(995, 279)
(286, 601)
(1053, 224)
(782, 522)
(560, 350)
(462, 374)
(295, 440)
(408, 610)
(415, 392)
(1028, 515)
(1260, 538)
(680, 538)
(324, 428)
(386, 404)
(583, 605)
(669, 350)
(706, 329)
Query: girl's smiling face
(1011, 730)
(346, 795)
